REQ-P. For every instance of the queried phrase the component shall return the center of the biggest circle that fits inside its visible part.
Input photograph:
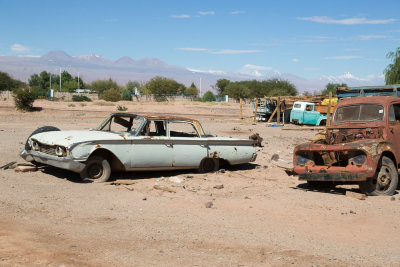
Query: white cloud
(192, 49)
(182, 16)
(256, 67)
(254, 70)
(342, 57)
(295, 60)
(369, 37)
(19, 48)
(349, 21)
(237, 12)
(205, 13)
(236, 51)
(219, 72)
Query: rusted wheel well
(115, 163)
(391, 156)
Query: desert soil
(259, 217)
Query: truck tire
(209, 165)
(385, 180)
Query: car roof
(154, 116)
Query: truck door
(310, 115)
(394, 128)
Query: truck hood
(68, 138)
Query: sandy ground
(261, 216)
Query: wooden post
(273, 114)
(278, 115)
(328, 115)
(255, 111)
(241, 114)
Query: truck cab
(305, 113)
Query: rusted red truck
(362, 146)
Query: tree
(7, 83)
(192, 90)
(209, 97)
(331, 87)
(237, 90)
(131, 85)
(392, 71)
(111, 94)
(101, 85)
(162, 86)
(221, 85)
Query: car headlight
(35, 146)
(357, 159)
(61, 151)
(302, 159)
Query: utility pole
(60, 79)
(78, 80)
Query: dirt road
(260, 216)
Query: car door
(187, 145)
(152, 149)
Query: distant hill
(94, 67)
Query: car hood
(68, 138)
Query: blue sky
(305, 38)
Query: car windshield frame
(358, 113)
(133, 131)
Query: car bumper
(59, 162)
(334, 174)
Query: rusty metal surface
(351, 151)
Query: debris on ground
(356, 195)
(275, 157)
(145, 198)
(269, 124)
(256, 137)
(236, 129)
(129, 188)
(222, 171)
(189, 176)
(8, 165)
(163, 188)
(219, 186)
(209, 205)
(31, 168)
(175, 179)
(119, 182)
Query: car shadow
(75, 177)
(336, 190)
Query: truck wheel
(209, 165)
(384, 182)
(97, 170)
(40, 130)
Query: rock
(145, 198)
(352, 212)
(275, 157)
(189, 176)
(162, 188)
(392, 198)
(26, 169)
(256, 137)
(265, 167)
(175, 179)
(219, 186)
(209, 205)
(222, 170)
(355, 195)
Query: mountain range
(95, 67)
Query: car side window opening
(309, 108)
(154, 128)
(394, 113)
(182, 129)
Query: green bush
(24, 98)
(161, 98)
(81, 98)
(112, 95)
(209, 97)
(126, 95)
(122, 108)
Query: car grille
(47, 149)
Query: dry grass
(103, 103)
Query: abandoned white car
(130, 142)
